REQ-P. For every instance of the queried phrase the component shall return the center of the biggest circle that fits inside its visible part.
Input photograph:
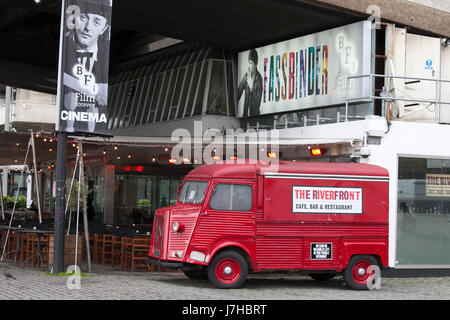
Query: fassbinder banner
(84, 64)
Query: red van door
(228, 215)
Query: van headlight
(177, 227)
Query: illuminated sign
(305, 72)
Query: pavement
(104, 283)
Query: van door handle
(205, 213)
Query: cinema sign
(306, 72)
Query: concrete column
(109, 194)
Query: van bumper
(165, 264)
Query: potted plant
(8, 202)
(142, 211)
(73, 201)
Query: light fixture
(118, 157)
(104, 152)
(186, 160)
(116, 147)
(17, 143)
(317, 152)
(153, 159)
(45, 139)
(172, 161)
(271, 155)
(166, 149)
(129, 156)
(50, 149)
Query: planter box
(69, 250)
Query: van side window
(231, 197)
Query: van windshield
(193, 192)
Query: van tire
(228, 270)
(356, 275)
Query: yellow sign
(438, 185)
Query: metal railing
(436, 101)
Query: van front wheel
(228, 270)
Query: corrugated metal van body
(311, 216)
(287, 236)
(178, 241)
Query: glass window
(193, 192)
(231, 197)
(17, 181)
(216, 96)
(423, 231)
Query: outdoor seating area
(30, 243)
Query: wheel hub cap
(361, 271)
(228, 271)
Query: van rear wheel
(360, 272)
(228, 270)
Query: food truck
(319, 218)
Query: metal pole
(7, 108)
(1, 196)
(33, 149)
(346, 98)
(58, 258)
(85, 217)
(436, 106)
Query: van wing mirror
(179, 187)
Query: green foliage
(84, 193)
(8, 202)
(143, 204)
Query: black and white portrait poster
(85, 63)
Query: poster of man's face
(86, 64)
(91, 27)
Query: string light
(104, 152)
(129, 156)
